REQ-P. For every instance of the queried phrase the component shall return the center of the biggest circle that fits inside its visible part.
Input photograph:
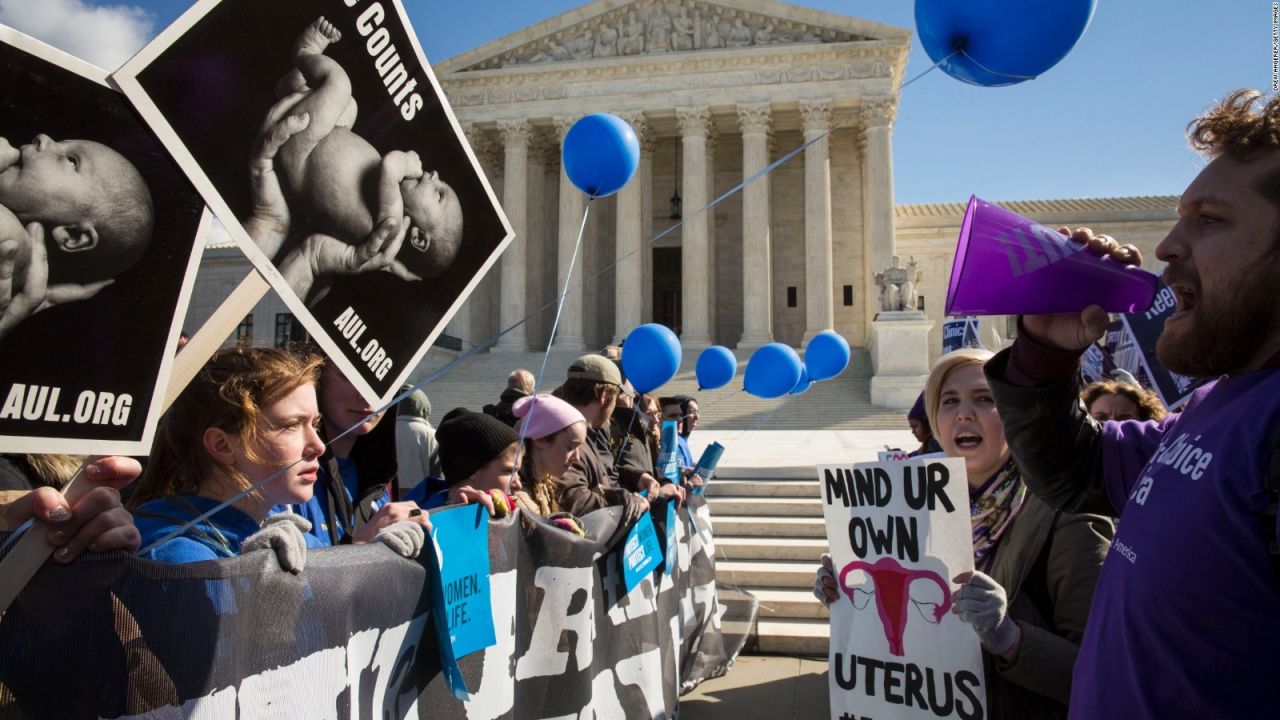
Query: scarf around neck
(992, 509)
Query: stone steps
(773, 506)
(789, 603)
(767, 526)
(749, 574)
(792, 636)
(769, 536)
(769, 548)
(798, 488)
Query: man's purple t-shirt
(1185, 620)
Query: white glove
(404, 537)
(982, 603)
(824, 583)
(285, 534)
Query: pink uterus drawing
(892, 584)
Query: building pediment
(630, 28)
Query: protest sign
(1091, 364)
(460, 598)
(641, 553)
(898, 532)
(706, 465)
(104, 231)
(888, 455)
(1144, 330)
(372, 220)
(113, 636)
(961, 332)
(668, 459)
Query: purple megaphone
(1006, 264)
(892, 582)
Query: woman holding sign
(1029, 598)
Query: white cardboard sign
(899, 531)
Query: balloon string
(558, 302)
(555, 325)
(929, 69)
(626, 436)
(984, 68)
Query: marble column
(462, 325)
(757, 274)
(569, 335)
(713, 140)
(537, 293)
(695, 125)
(819, 308)
(644, 175)
(629, 242)
(515, 169)
(877, 192)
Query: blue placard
(669, 552)
(706, 466)
(642, 552)
(460, 600)
(668, 459)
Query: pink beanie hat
(550, 416)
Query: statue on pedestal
(898, 285)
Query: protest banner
(102, 237)
(961, 332)
(113, 636)
(898, 532)
(1144, 330)
(372, 220)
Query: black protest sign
(113, 636)
(99, 244)
(372, 219)
(1144, 329)
(898, 532)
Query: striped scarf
(993, 510)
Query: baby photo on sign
(98, 249)
(317, 131)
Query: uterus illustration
(892, 584)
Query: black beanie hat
(469, 441)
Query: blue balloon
(826, 355)
(601, 153)
(773, 371)
(805, 383)
(650, 357)
(1000, 42)
(716, 367)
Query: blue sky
(1107, 121)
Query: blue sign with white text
(460, 595)
(642, 553)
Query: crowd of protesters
(323, 468)
(1127, 558)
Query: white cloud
(104, 35)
